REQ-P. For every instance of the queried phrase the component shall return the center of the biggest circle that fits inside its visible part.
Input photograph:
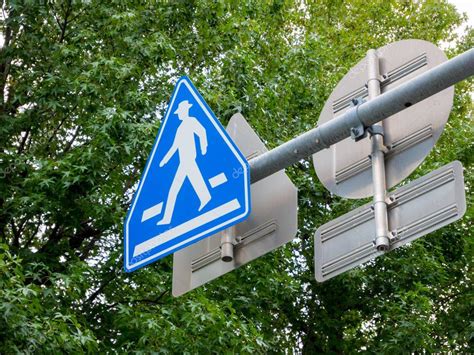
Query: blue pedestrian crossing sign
(196, 182)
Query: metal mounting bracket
(378, 130)
(358, 131)
(393, 236)
(375, 129)
(384, 78)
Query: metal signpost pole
(378, 158)
(365, 115)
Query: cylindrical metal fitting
(227, 244)
(381, 244)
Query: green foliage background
(83, 86)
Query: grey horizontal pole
(367, 114)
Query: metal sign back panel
(272, 223)
(189, 188)
(415, 210)
(345, 168)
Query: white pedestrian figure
(185, 145)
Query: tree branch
(21, 147)
(5, 66)
(58, 127)
(65, 23)
(32, 236)
(71, 142)
(104, 284)
(155, 301)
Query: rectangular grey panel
(415, 210)
(272, 222)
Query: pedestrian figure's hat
(183, 106)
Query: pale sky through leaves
(466, 6)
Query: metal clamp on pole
(382, 241)
(228, 241)
(358, 131)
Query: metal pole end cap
(382, 243)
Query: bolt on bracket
(393, 236)
(358, 131)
